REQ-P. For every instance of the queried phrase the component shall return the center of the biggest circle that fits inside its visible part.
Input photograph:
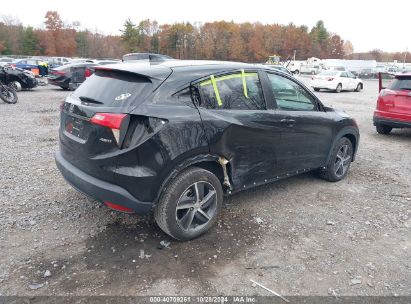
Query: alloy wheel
(196, 206)
(342, 160)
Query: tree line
(220, 40)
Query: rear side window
(114, 88)
(237, 91)
(403, 83)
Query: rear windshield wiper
(89, 100)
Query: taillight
(58, 73)
(386, 92)
(87, 73)
(113, 121)
(330, 79)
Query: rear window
(403, 83)
(114, 88)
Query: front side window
(289, 95)
(238, 91)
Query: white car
(337, 81)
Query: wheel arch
(350, 133)
(205, 161)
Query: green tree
(30, 43)
(82, 44)
(319, 33)
(130, 36)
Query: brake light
(58, 73)
(112, 121)
(386, 92)
(87, 73)
(330, 79)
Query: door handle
(289, 122)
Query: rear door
(353, 81)
(306, 130)
(238, 126)
(345, 81)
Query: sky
(367, 24)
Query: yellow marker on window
(244, 83)
(217, 94)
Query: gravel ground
(301, 236)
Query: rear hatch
(95, 118)
(397, 97)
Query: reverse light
(110, 120)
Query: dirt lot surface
(301, 236)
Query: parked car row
(70, 76)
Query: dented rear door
(238, 126)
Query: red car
(394, 105)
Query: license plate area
(77, 128)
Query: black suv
(177, 136)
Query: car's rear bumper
(328, 85)
(60, 83)
(98, 189)
(394, 120)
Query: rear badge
(122, 96)
(105, 140)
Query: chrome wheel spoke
(203, 215)
(199, 189)
(187, 219)
(208, 199)
(185, 205)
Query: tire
(16, 85)
(338, 89)
(340, 161)
(316, 89)
(8, 95)
(383, 129)
(358, 88)
(194, 216)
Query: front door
(306, 130)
